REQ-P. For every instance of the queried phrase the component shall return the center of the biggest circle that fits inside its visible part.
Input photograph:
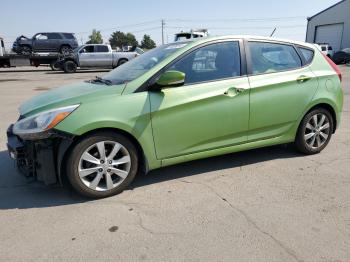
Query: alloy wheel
(317, 131)
(104, 165)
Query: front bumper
(35, 158)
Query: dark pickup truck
(63, 43)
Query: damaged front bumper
(41, 159)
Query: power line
(242, 27)
(236, 19)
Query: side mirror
(171, 79)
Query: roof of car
(253, 37)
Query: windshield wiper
(101, 80)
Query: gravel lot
(269, 204)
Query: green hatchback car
(176, 103)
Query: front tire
(70, 67)
(25, 50)
(314, 132)
(102, 165)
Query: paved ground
(263, 205)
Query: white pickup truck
(95, 56)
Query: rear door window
(272, 57)
(54, 36)
(101, 49)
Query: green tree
(95, 37)
(120, 39)
(147, 42)
(117, 39)
(131, 40)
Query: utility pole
(163, 24)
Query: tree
(147, 42)
(95, 37)
(131, 40)
(120, 39)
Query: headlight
(41, 122)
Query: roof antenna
(274, 30)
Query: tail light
(334, 66)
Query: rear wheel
(102, 165)
(70, 67)
(315, 131)
(55, 66)
(122, 61)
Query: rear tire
(70, 67)
(314, 132)
(113, 177)
(55, 66)
(122, 61)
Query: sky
(221, 17)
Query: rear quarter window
(68, 36)
(308, 54)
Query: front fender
(128, 113)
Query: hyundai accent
(178, 102)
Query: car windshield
(143, 63)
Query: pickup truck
(95, 56)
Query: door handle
(233, 91)
(303, 79)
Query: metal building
(331, 26)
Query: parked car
(45, 42)
(326, 49)
(342, 57)
(95, 56)
(179, 102)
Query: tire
(83, 174)
(313, 137)
(26, 50)
(122, 61)
(55, 66)
(70, 67)
(65, 50)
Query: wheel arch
(65, 45)
(122, 59)
(328, 107)
(67, 145)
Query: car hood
(68, 95)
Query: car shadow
(80, 71)
(24, 70)
(18, 192)
(198, 167)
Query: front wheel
(65, 50)
(102, 165)
(315, 131)
(70, 67)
